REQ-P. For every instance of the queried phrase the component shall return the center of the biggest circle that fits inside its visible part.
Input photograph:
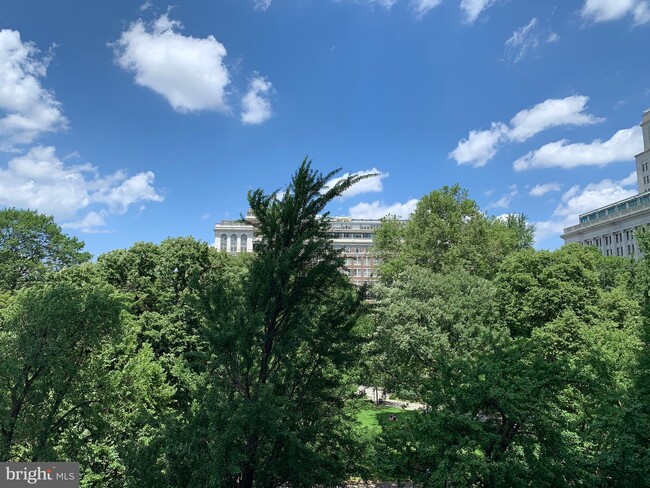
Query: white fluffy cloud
(481, 146)
(422, 7)
(622, 146)
(93, 222)
(577, 200)
(472, 9)
(543, 189)
(28, 109)
(368, 185)
(256, 107)
(378, 210)
(608, 10)
(41, 181)
(551, 113)
(189, 72)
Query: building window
(366, 272)
(233, 243)
(244, 243)
(224, 242)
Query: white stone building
(611, 228)
(353, 236)
(235, 236)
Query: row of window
(615, 208)
(359, 260)
(357, 272)
(618, 239)
(233, 243)
(619, 251)
(349, 235)
(355, 226)
(353, 249)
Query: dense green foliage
(31, 245)
(178, 365)
(448, 231)
(530, 373)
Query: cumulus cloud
(543, 189)
(28, 109)
(622, 146)
(368, 185)
(608, 10)
(41, 181)
(256, 107)
(92, 223)
(481, 146)
(188, 72)
(472, 9)
(378, 210)
(551, 113)
(577, 200)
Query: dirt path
(373, 394)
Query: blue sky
(133, 121)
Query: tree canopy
(448, 231)
(32, 244)
(175, 364)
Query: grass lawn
(372, 418)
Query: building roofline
(613, 204)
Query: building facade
(235, 236)
(354, 237)
(611, 228)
